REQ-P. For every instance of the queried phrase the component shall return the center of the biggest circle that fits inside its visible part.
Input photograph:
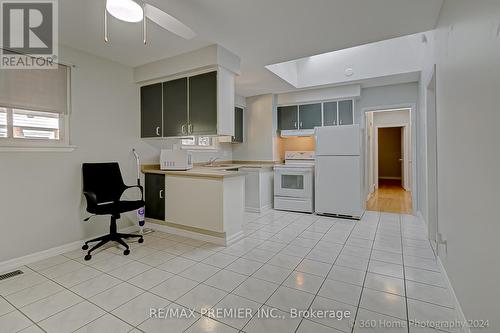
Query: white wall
(468, 85)
(260, 142)
(40, 193)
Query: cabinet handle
(300, 124)
(190, 128)
(295, 124)
(161, 194)
(183, 129)
(340, 122)
(158, 130)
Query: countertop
(219, 170)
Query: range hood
(299, 132)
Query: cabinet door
(309, 116)
(288, 117)
(203, 104)
(151, 111)
(155, 196)
(330, 114)
(238, 125)
(346, 113)
(175, 107)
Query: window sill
(33, 149)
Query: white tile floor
(380, 268)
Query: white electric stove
(294, 182)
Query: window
(28, 124)
(199, 142)
(34, 108)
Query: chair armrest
(91, 198)
(139, 187)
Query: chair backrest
(104, 179)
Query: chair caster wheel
(85, 247)
(141, 240)
(126, 252)
(87, 257)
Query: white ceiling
(261, 32)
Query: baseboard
(458, 307)
(41, 255)
(186, 233)
(258, 210)
(234, 238)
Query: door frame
(412, 139)
(432, 162)
(405, 179)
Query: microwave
(174, 159)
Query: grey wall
(391, 95)
(468, 85)
(259, 130)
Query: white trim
(413, 128)
(458, 307)
(224, 241)
(258, 210)
(35, 149)
(41, 255)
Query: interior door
(175, 108)
(402, 159)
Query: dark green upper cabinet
(288, 117)
(330, 114)
(175, 107)
(151, 111)
(346, 115)
(238, 125)
(309, 116)
(203, 104)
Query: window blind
(35, 89)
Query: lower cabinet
(258, 189)
(155, 196)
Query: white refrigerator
(339, 171)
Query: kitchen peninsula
(203, 203)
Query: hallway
(390, 197)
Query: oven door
(293, 183)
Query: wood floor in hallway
(390, 197)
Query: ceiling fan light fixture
(125, 10)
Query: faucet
(211, 161)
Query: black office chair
(103, 187)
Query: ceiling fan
(133, 11)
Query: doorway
(389, 161)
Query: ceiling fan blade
(168, 22)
